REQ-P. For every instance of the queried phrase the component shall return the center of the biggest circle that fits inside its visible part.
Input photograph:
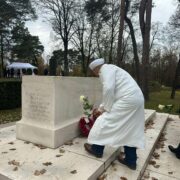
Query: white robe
(123, 122)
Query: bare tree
(133, 38)
(145, 25)
(113, 22)
(121, 29)
(79, 36)
(61, 15)
(175, 24)
(176, 80)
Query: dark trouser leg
(130, 155)
(178, 152)
(98, 149)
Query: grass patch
(9, 79)
(163, 97)
(7, 116)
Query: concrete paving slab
(7, 134)
(68, 161)
(149, 114)
(167, 164)
(67, 165)
(7, 125)
(117, 171)
(152, 175)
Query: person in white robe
(122, 118)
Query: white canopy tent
(18, 65)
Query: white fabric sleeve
(101, 108)
(108, 77)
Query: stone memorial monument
(51, 108)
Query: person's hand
(96, 113)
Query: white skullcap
(96, 63)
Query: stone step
(69, 162)
(153, 131)
(166, 165)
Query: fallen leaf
(26, 142)
(73, 172)
(113, 164)
(153, 178)
(156, 155)
(40, 146)
(37, 173)
(42, 171)
(15, 169)
(152, 162)
(123, 178)
(170, 119)
(47, 163)
(58, 155)
(11, 143)
(4, 152)
(163, 151)
(13, 162)
(115, 169)
(69, 143)
(156, 166)
(103, 177)
(61, 150)
(146, 176)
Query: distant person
(24, 71)
(18, 73)
(35, 71)
(62, 73)
(176, 151)
(8, 73)
(5, 73)
(46, 72)
(12, 72)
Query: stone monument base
(51, 108)
(47, 137)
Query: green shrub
(154, 86)
(10, 94)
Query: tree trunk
(121, 29)
(145, 24)
(135, 51)
(111, 45)
(90, 46)
(83, 60)
(66, 62)
(2, 57)
(177, 75)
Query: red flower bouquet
(86, 123)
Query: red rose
(85, 123)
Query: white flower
(170, 105)
(82, 98)
(161, 107)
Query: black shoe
(172, 149)
(130, 166)
(88, 148)
(176, 151)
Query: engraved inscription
(37, 105)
